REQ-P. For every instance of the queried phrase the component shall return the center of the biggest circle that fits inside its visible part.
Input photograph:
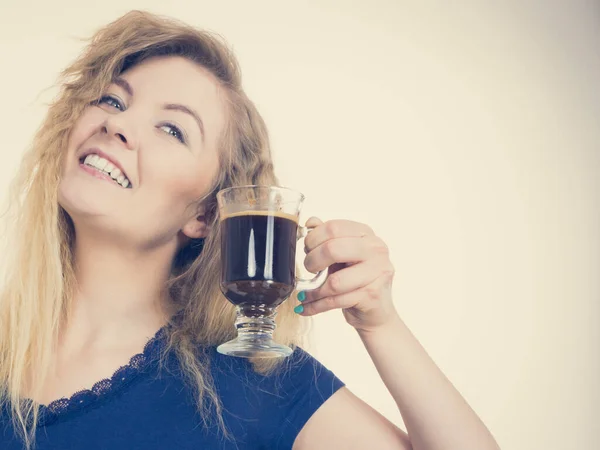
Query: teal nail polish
(301, 296)
(299, 309)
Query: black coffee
(258, 251)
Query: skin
(126, 240)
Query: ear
(196, 228)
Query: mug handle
(306, 284)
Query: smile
(101, 168)
(101, 175)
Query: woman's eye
(111, 101)
(174, 131)
(171, 129)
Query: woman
(116, 263)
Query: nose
(113, 127)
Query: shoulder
(278, 402)
(299, 369)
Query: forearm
(435, 414)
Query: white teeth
(101, 163)
(108, 168)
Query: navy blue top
(142, 407)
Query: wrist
(392, 325)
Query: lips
(111, 159)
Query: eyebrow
(124, 84)
(185, 109)
(121, 82)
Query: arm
(346, 422)
(435, 414)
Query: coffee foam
(283, 215)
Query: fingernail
(299, 309)
(301, 296)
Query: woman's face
(160, 122)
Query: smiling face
(160, 123)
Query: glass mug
(259, 234)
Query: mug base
(261, 348)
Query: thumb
(313, 222)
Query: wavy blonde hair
(39, 273)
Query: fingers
(313, 222)
(344, 250)
(333, 229)
(360, 273)
(346, 280)
(367, 296)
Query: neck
(120, 298)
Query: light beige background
(465, 135)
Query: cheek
(190, 183)
(183, 181)
(84, 127)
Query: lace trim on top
(108, 386)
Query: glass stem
(255, 328)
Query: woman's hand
(360, 273)
(360, 284)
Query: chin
(84, 201)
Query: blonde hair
(39, 273)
